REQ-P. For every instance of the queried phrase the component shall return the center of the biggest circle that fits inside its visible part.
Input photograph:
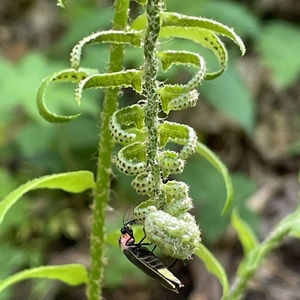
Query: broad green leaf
(245, 234)
(230, 95)
(216, 162)
(20, 75)
(214, 267)
(278, 45)
(73, 274)
(72, 182)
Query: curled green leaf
(72, 274)
(73, 182)
(131, 160)
(200, 30)
(177, 97)
(216, 162)
(175, 19)
(127, 124)
(132, 37)
(170, 57)
(180, 134)
(180, 96)
(68, 75)
(204, 37)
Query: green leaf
(67, 75)
(230, 95)
(295, 230)
(139, 23)
(199, 30)
(111, 36)
(205, 38)
(255, 257)
(245, 234)
(72, 182)
(216, 162)
(21, 75)
(234, 14)
(73, 274)
(180, 96)
(213, 266)
(175, 19)
(203, 31)
(129, 78)
(278, 45)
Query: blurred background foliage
(250, 117)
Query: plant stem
(150, 90)
(102, 188)
(254, 259)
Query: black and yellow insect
(145, 260)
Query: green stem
(150, 90)
(110, 104)
(255, 258)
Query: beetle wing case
(147, 262)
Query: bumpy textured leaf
(245, 234)
(128, 78)
(175, 19)
(200, 30)
(214, 267)
(180, 96)
(111, 36)
(205, 38)
(73, 182)
(73, 274)
(216, 162)
(86, 78)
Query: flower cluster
(167, 222)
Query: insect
(145, 260)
